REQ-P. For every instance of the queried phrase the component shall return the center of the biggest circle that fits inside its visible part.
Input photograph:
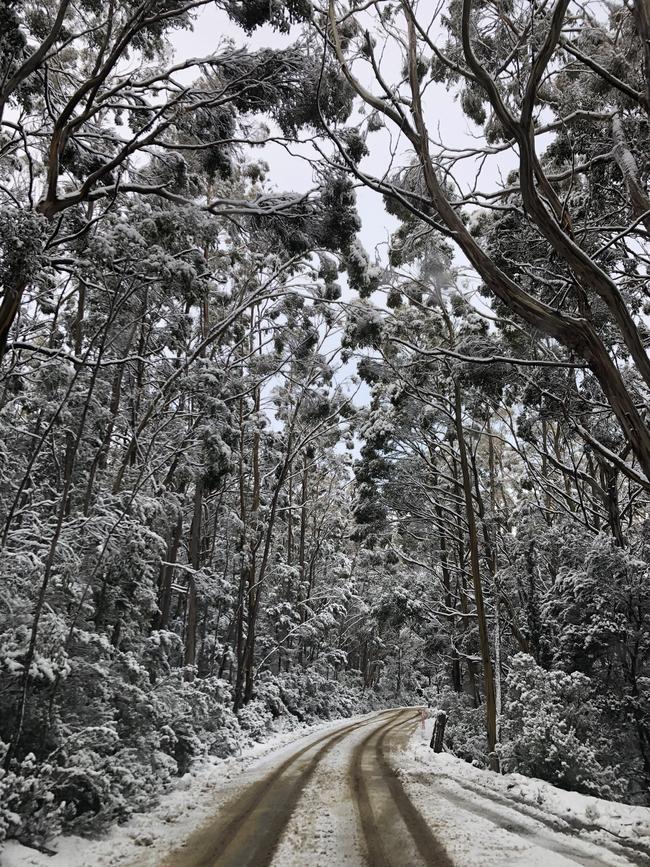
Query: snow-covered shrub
(207, 704)
(227, 738)
(550, 729)
(28, 809)
(119, 730)
(311, 695)
(269, 691)
(187, 745)
(465, 728)
(255, 719)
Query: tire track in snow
(389, 842)
(557, 825)
(247, 829)
(532, 827)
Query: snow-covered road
(362, 792)
(359, 795)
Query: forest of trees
(250, 469)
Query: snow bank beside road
(535, 809)
(622, 820)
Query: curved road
(336, 800)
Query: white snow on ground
(491, 819)
(148, 837)
(481, 818)
(324, 830)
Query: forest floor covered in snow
(475, 816)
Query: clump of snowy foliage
(552, 730)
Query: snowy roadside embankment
(147, 837)
(543, 817)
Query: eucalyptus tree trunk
(455, 674)
(167, 575)
(609, 483)
(243, 573)
(304, 515)
(189, 657)
(461, 556)
(475, 562)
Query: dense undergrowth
(151, 734)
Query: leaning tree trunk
(575, 333)
(8, 312)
